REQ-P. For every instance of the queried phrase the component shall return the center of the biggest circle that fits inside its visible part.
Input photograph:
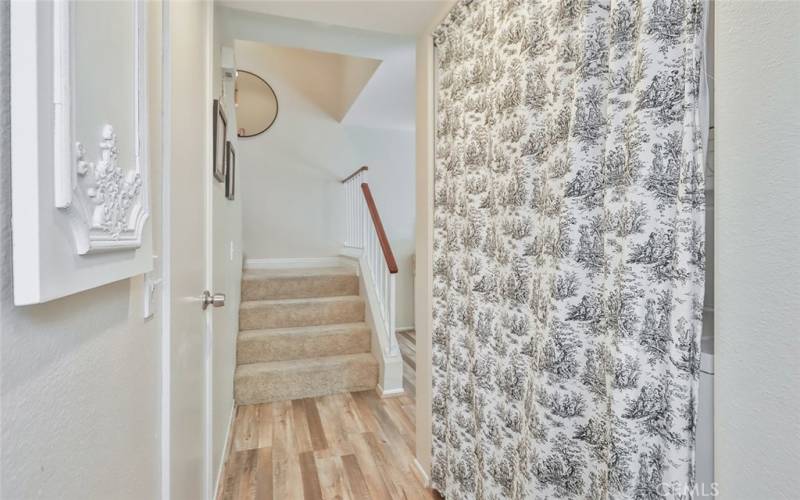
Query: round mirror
(256, 104)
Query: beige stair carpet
(285, 313)
(299, 283)
(277, 344)
(302, 335)
(305, 378)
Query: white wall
(293, 203)
(757, 111)
(79, 376)
(423, 291)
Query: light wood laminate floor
(344, 446)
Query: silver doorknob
(216, 300)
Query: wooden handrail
(376, 220)
(354, 174)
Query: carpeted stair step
(303, 378)
(263, 284)
(282, 344)
(287, 313)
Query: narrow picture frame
(220, 138)
(230, 171)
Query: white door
(188, 117)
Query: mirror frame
(277, 105)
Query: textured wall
(79, 376)
(757, 185)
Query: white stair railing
(364, 233)
(355, 209)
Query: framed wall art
(220, 138)
(230, 172)
(79, 133)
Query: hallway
(349, 445)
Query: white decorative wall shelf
(80, 171)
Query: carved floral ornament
(107, 199)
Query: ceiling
(409, 17)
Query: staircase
(302, 335)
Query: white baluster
(372, 256)
(384, 288)
(379, 283)
(349, 215)
(392, 314)
(364, 221)
(361, 225)
(362, 209)
(375, 244)
(387, 278)
(348, 206)
(351, 203)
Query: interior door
(187, 128)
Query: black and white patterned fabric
(568, 248)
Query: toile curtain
(568, 248)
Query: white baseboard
(295, 263)
(352, 252)
(226, 451)
(426, 481)
(389, 394)
(405, 329)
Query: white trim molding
(298, 263)
(226, 452)
(389, 393)
(426, 480)
(166, 251)
(107, 203)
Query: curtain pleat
(568, 248)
